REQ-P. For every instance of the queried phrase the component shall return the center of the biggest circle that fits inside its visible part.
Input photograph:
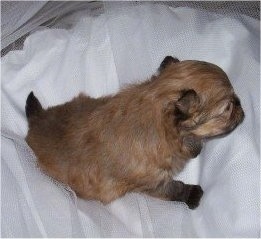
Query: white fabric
(21, 17)
(98, 56)
(14, 15)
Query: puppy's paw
(195, 194)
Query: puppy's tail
(33, 106)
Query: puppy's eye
(226, 108)
(229, 107)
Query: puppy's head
(199, 97)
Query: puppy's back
(52, 134)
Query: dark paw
(195, 194)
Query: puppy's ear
(186, 105)
(167, 61)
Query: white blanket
(99, 55)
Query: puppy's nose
(238, 106)
(242, 116)
(237, 101)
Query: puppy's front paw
(195, 194)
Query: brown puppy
(137, 139)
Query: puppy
(139, 138)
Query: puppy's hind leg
(33, 106)
(178, 191)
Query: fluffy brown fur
(137, 139)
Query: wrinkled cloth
(98, 56)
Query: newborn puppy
(139, 138)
